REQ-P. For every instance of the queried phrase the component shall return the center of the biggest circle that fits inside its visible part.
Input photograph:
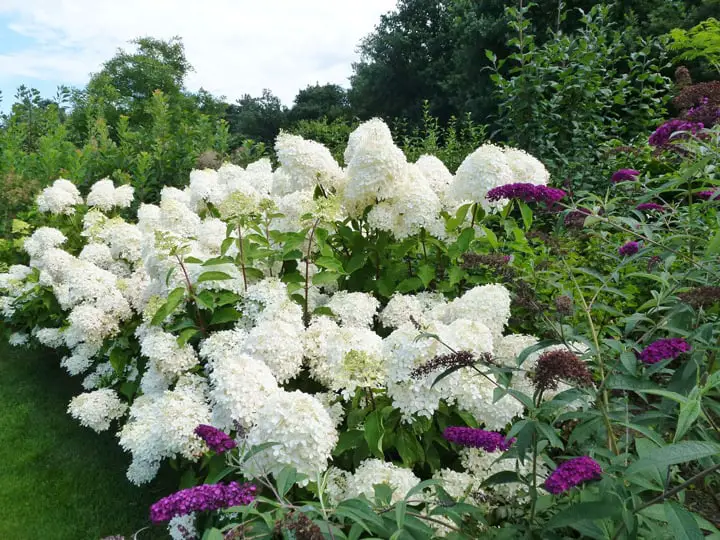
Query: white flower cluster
(343, 485)
(97, 409)
(60, 198)
(105, 196)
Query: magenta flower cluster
(490, 441)
(629, 248)
(572, 473)
(651, 206)
(624, 175)
(203, 498)
(661, 136)
(709, 194)
(526, 192)
(218, 441)
(664, 349)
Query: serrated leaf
(426, 273)
(331, 263)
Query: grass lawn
(59, 480)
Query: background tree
(257, 118)
(320, 101)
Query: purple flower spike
(709, 194)
(625, 175)
(629, 248)
(490, 441)
(573, 473)
(526, 192)
(651, 206)
(662, 135)
(218, 441)
(664, 349)
(203, 498)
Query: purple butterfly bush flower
(629, 248)
(490, 441)
(709, 194)
(625, 175)
(661, 136)
(218, 441)
(651, 206)
(664, 349)
(526, 192)
(573, 473)
(203, 498)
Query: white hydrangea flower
(484, 169)
(260, 176)
(60, 198)
(460, 485)
(356, 309)
(50, 337)
(163, 426)
(333, 405)
(102, 195)
(345, 358)
(163, 350)
(42, 240)
(402, 308)
(376, 167)
(18, 339)
(307, 164)
(526, 169)
(436, 173)
(475, 393)
(373, 471)
(279, 345)
(488, 304)
(239, 387)
(303, 429)
(97, 409)
(81, 358)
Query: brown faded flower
(560, 365)
(699, 297)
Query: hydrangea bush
(372, 347)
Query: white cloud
(235, 46)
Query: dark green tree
(257, 118)
(320, 101)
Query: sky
(235, 46)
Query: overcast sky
(235, 46)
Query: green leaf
(583, 511)
(527, 215)
(673, 454)
(225, 315)
(426, 273)
(713, 246)
(409, 448)
(502, 477)
(173, 301)
(463, 241)
(118, 359)
(285, 480)
(186, 335)
(323, 278)
(400, 511)
(682, 524)
(689, 412)
(534, 348)
(409, 285)
(374, 432)
(331, 263)
(213, 276)
(213, 534)
(491, 237)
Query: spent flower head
(560, 365)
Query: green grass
(59, 480)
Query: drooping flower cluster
(490, 441)
(526, 192)
(624, 175)
(218, 441)
(202, 498)
(709, 194)
(554, 366)
(664, 349)
(629, 248)
(651, 207)
(673, 130)
(704, 296)
(572, 473)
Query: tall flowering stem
(306, 310)
(241, 250)
(191, 292)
